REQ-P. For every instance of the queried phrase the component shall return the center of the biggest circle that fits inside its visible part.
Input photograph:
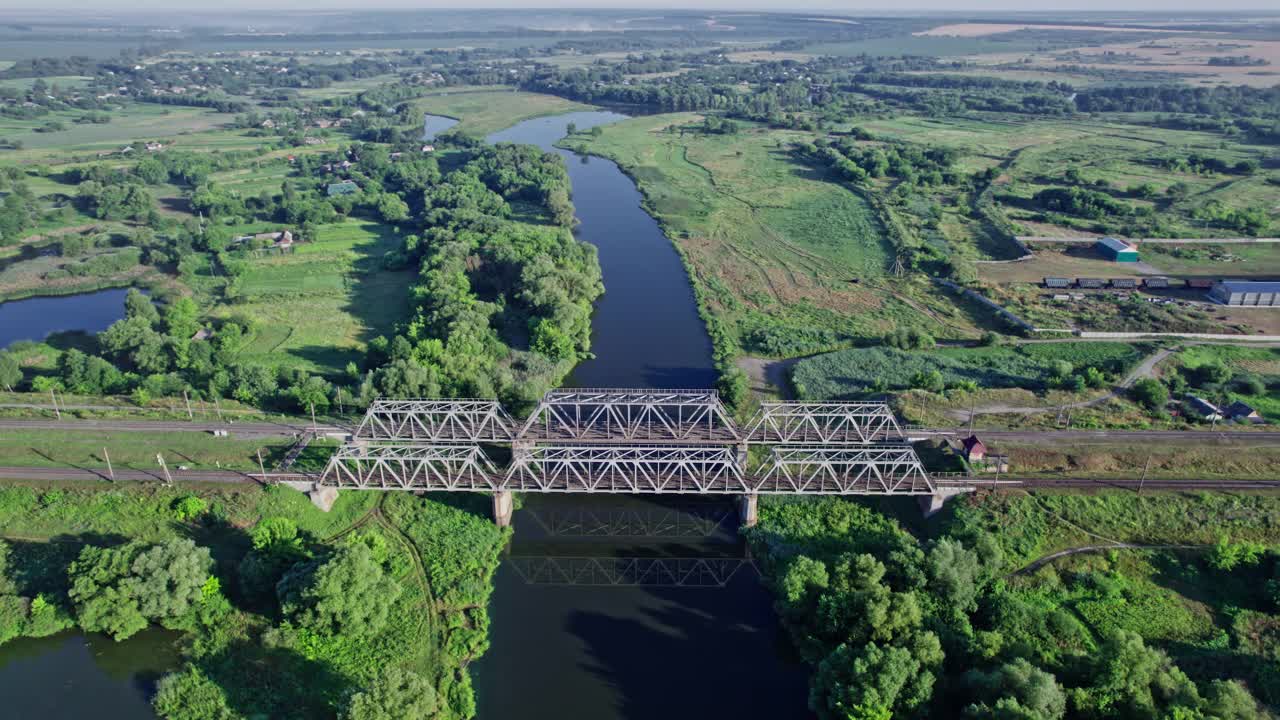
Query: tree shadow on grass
(275, 682)
(41, 567)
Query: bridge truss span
(411, 467)
(630, 442)
(436, 421)
(824, 423)
(853, 470)
(630, 416)
(612, 469)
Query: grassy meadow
(855, 372)
(776, 250)
(486, 110)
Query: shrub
(1150, 393)
(190, 695)
(189, 507)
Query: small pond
(433, 125)
(38, 317)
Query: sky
(850, 6)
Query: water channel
(631, 608)
(36, 318)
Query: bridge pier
(931, 505)
(748, 509)
(503, 506)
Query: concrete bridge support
(323, 497)
(503, 506)
(748, 509)
(931, 505)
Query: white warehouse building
(1247, 293)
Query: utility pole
(313, 417)
(262, 470)
(53, 398)
(110, 471)
(168, 478)
(217, 407)
(187, 399)
(1143, 480)
(971, 418)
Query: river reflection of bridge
(690, 521)
(709, 572)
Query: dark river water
(37, 317)
(632, 607)
(75, 676)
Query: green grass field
(316, 307)
(138, 121)
(487, 110)
(850, 373)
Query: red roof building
(974, 449)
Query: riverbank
(784, 262)
(416, 544)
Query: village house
(1204, 409)
(1241, 412)
(345, 187)
(974, 449)
(283, 238)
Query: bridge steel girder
(436, 421)
(850, 470)
(630, 416)
(611, 469)
(410, 467)
(628, 571)
(825, 423)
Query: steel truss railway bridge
(631, 441)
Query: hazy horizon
(831, 6)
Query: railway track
(96, 474)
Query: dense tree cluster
(487, 284)
(858, 161)
(18, 206)
(895, 628)
(1240, 101)
(1081, 201)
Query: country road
(237, 428)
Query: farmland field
(140, 121)
(316, 307)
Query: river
(36, 318)
(632, 607)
